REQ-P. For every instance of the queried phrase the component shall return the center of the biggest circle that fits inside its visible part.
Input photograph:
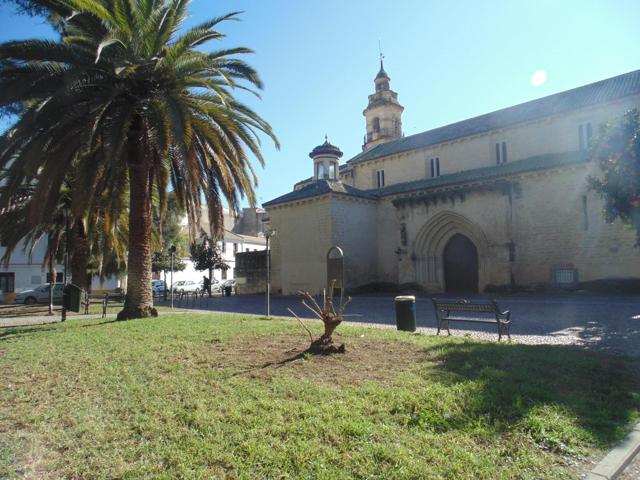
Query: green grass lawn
(230, 396)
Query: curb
(617, 459)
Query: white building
(25, 271)
(240, 235)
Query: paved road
(610, 323)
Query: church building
(492, 202)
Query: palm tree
(125, 101)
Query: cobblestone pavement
(605, 323)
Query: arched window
(376, 125)
(332, 171)
(320, 173)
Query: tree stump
(331, 319)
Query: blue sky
(447, 60)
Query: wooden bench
(471, 312)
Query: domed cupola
(326, 160)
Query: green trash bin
(72, 297)
(406, 313)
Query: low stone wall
(251, 272)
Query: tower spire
(384, 113)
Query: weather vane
(380, 51)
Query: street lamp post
(271, 232)
(172, 251)
(67, 228)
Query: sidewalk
(45, 319)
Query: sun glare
(538, 78)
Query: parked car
(215, 285)
(158, 287)
(228, 287)
(186, 286)
(229, 283)
(40, 294)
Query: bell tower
(383, 114)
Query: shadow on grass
(560, 396)
(113, 320)
(18, 311)
(23, 331)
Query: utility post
(269, 233)
(67, 235)
(172, 251)
(52, 277)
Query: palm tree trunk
(80, 257)
(139, 300)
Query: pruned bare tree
(329, 316)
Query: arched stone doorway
(460, 261)
(429, 251)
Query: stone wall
(522, 231)
(251, 272)
(355, 231)
(553, 134)
(299, 249)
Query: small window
(380, 178)
(501, 153)
(321, 172)
(7, 281)
(332, 171)
(435, 167)
(585, 136)
(564, 276)
(376, 124)
(403, 234)
(59, 277)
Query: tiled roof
(320, 188)
(530, 164)
(587, 95)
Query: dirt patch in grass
(365, 359)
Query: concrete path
(44, 319)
